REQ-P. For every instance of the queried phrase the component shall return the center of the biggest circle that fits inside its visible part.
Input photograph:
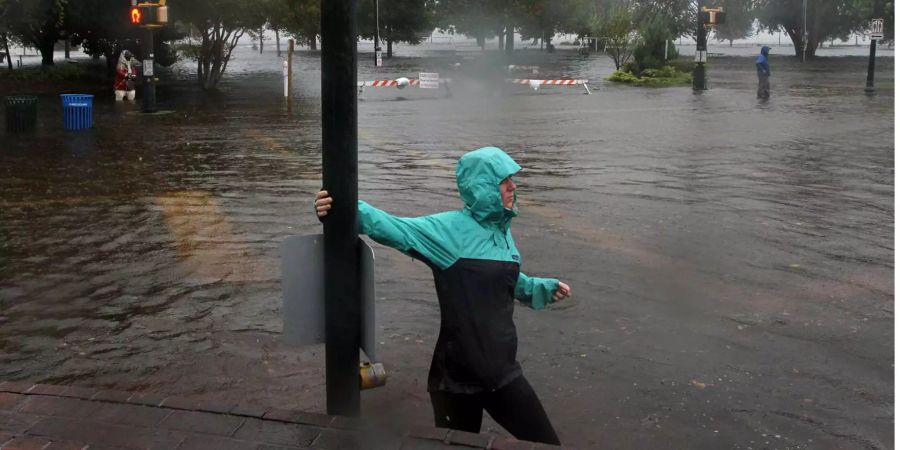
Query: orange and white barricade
(402, 82)
(535, 84)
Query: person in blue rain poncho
(762, 72)
(475, 263)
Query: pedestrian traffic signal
(712, 16)
(136, 15)
(151, 15)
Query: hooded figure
(762, 72)
(475, 263)
(125, 76)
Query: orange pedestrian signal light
(136, 15)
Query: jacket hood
(478, 177)
(764, 50)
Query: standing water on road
(732, 261)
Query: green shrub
(665, 76)
(621, 76)
(632, 68)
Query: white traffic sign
(429, 80)
(877, 29)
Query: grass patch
(666, 76)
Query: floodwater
(731, 260)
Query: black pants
(514, 406)
(762, 89)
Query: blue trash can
(78, 111)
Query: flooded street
(731, 260)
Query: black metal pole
(377, 37)
(149, 101)
(870, 78)
(340, 176)
(699, 68)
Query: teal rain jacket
(476, 272)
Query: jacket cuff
(542, 295)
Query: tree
(826, 20)
(101, 28)
(472, 18)
(220, 24)
(680, 15)
(618, 29)
(6, 36)
(409, 21)
(38, 23)
(655, 44)
(740, 16)
(303, 19)
(542, 19)
(276, 12)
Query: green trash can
(21, 112)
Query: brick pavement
(49, 417)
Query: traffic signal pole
(340, 178)
(377, 38)
(699, 68)
(149, 101)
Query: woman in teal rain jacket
(476, 274)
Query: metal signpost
(340, 179)
(876, 35)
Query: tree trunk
(46, 49)
(312, 43)
(510, 39)
(500, 36)
(6, 49)
(68, 47)
(479, 39)
(811, 46)
(731, 42)
(261, 40)
(390, 48)
(797, 40)
(277, 43)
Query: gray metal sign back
(303, 288)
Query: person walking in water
(476, 264)
(762, 72)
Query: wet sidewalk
(50, 417)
